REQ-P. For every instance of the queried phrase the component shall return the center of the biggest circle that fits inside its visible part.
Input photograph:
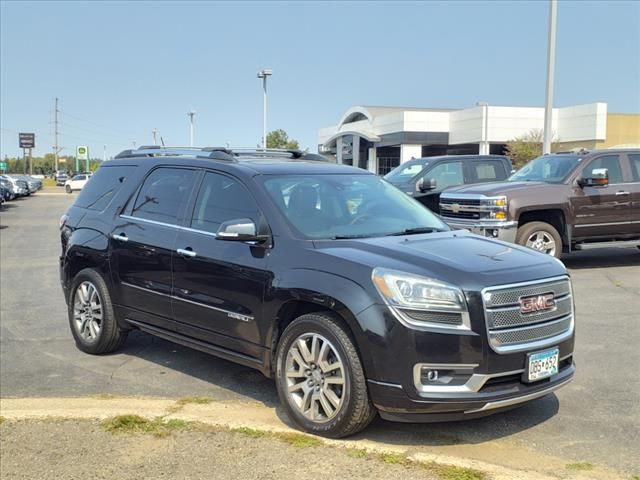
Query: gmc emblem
(537, 303)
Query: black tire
(68, 189)
(356, 410)
(530, 229)
(111, 336)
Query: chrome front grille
(510, 330)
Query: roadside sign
(82, 152)
(3, 165)
(27, 140)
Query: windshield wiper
(416, 230)
(346, 237)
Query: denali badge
(537, 303)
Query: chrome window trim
(230, 314)
(170, 225)
(536, 344)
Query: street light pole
(191, 114)
(484, 144)
(154, 132)
(551, 60)
(263, 74)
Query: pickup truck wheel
(540, 236)
(91, 316)
(320, 379)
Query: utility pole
(154, 132)
(551, 60)
(191, 114)
(104, 153)
(264, 74)
(56, 150)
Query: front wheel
(320, 379)
(540, 236)
(68, 189)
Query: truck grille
(511, 330)
(469, 208)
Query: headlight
(497, 207)
(421, 301)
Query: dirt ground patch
(80, 449)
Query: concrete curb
(234, 414)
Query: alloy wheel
(315, 377)
(87, 311)
(542, 241)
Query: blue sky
(121, 69)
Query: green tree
(526, 147)
(280, 139)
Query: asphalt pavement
(595, 419)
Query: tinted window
(104, 184)
(634, 159)
(406, 171)
(488, 171)
(164, 194)
(221, 199)
(447, 175)
(611, 163)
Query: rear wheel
(91, 316)
(540, 236)
(320, 379)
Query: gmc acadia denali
(351, 294)
(555, 203)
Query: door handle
(120, 237)
(186, 252)
(622, 193)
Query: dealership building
(380, 138)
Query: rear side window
(488, 171)
(634, 159)
(164, 194)
(103, 186)
(221, 199)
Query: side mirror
(425, 184)
(599, 178)
(240, 230)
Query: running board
(616, 244)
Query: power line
(122, 132)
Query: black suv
(352, 295)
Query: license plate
(542, 364)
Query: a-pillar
(407, 152)
(372, 163)
(339, 148)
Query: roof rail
(213, 153)
(217, 153)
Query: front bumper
(505, 230)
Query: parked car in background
(10, 190)
(556, 203)
(77, 182)
(61, 178)
(33, 184)
(425, 178)
(20, 187)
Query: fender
(86, 248)
(329, 291)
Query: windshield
(548, 168)
(405, 172)
(348, 206)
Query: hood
(497, 188)
(458, 257)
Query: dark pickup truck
(555, 203)
(425, 178)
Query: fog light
(444, 376)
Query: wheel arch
(555, 217)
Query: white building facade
(380, 138)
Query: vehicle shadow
(602, 258)
(253, 385)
